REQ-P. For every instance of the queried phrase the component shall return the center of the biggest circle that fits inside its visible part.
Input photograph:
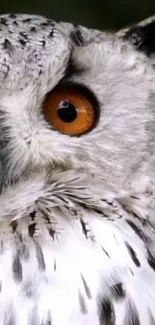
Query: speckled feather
(77, 220)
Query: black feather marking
(138, 231)
(46, 24)
(7, 45)
(3, 21)
(106, 313)
(131, 271)
(48, 319)
(15, 23)
(32, 226)
(33, 30)
(131, 316)
(142, 37)
(14, 225)
(0, 286)
(1, 247)
(33, 215)
(43, 43)
(151, 260)
(83, 306)
(17, 269)
(31, 229)
(77, 37)
(29, 288)
(51, 33)
(87, 289)
(27, 20)
(23, 35)
(133, 255)
(55, 265)
(23, 252)
(12, 16)
(40, 257)
(20, 237)
(52, 232)
(22, 42)
(84, 227)
(117, 291)
(48, 322)
(105, 251)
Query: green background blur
(93, 13)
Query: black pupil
(67, 112)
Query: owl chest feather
(78, 264)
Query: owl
(77, 173)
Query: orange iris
(69, 111)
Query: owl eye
(70, 110)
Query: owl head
(76, 103)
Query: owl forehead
(34, 46)
(28, 45)
(36, 50)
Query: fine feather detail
(77, 227)
(98, 247)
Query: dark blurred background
(93, 13)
